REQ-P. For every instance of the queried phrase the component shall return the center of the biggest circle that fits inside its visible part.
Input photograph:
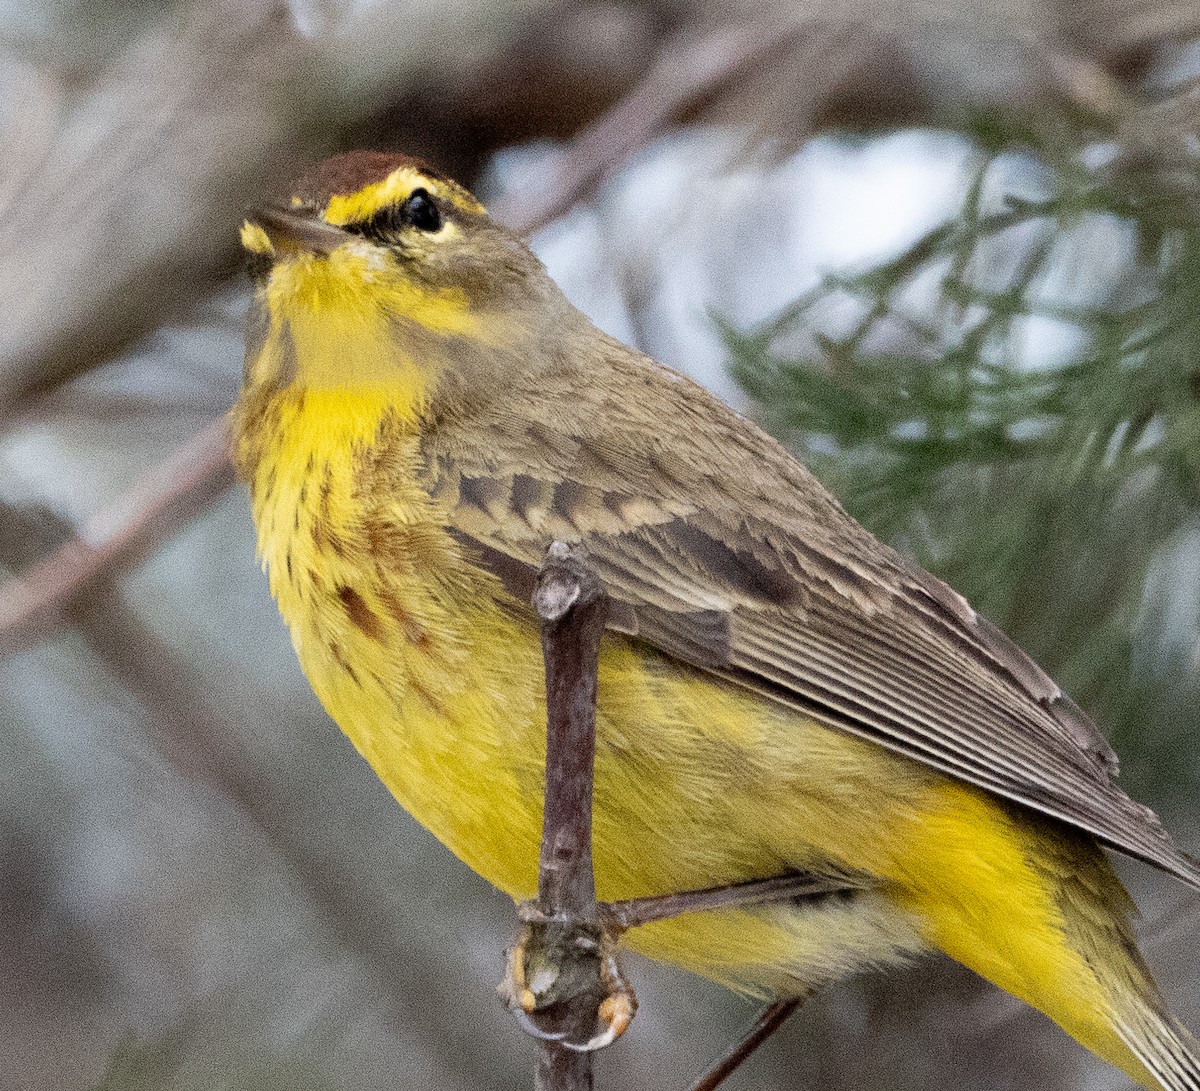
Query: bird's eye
(420, 211)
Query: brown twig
(780, 888)
(770, 1019)
(556, 969)
(572, 609)
(680, 80)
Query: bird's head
(382, 270)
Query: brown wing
(720, 549)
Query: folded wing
(721, 550)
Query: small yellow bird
(424, 412)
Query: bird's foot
(563, 981)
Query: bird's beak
(289, 230)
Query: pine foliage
(1013, 400)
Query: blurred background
(950, 251)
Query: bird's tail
(1135, 1031)
(1036, 908)
(1167, 1056)
(1108, 1002)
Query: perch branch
(558, 977)
(791, 886)
(562, 976)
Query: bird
(423, 413)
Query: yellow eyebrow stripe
(346, 208)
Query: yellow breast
(422, 660)
(391, 623)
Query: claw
(619, 1005)
(615, 1014)
(529, 1025)
(528, 997)
(513, 990)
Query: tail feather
(1168, 1052)
(1037, 909)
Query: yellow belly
(696, 784)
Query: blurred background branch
(948, 250)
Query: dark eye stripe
(419, 210)
(383, 224)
